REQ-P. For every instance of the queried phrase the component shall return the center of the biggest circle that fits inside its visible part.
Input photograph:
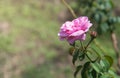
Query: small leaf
(118, 19)
(75, 56)
(92, 73)
(96, 67)
(109, 59)
(71, 50)
(77, 70)
(84, 72)
(97, 17)
(82, 56)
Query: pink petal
(82, 37)
(77, 33)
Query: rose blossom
(75, 30)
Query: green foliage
(101, 12)
(29, 20)
(84, 72)
(97, 68)
(75, 56)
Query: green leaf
(77, 70)
(109, 59)
(92, 73)
(75, 56)
(97, 17)
(104, 27)
(112, 20)
(105, 65)
(96, 67)
(108, 5)
(111, 3)
(118, 19)
(84, 72)
(106, 75)
(98, 54)
(82, 56)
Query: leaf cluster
(92, 68)
(101, 12)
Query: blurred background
(29, 45)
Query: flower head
(75, 30)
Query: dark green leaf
(84, 72)
(82, 56)
(75, 56)
(92, 73)
(77, 70)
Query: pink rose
(75, 30)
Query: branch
(70, 9)
(115, 45)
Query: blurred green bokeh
(29, 45)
